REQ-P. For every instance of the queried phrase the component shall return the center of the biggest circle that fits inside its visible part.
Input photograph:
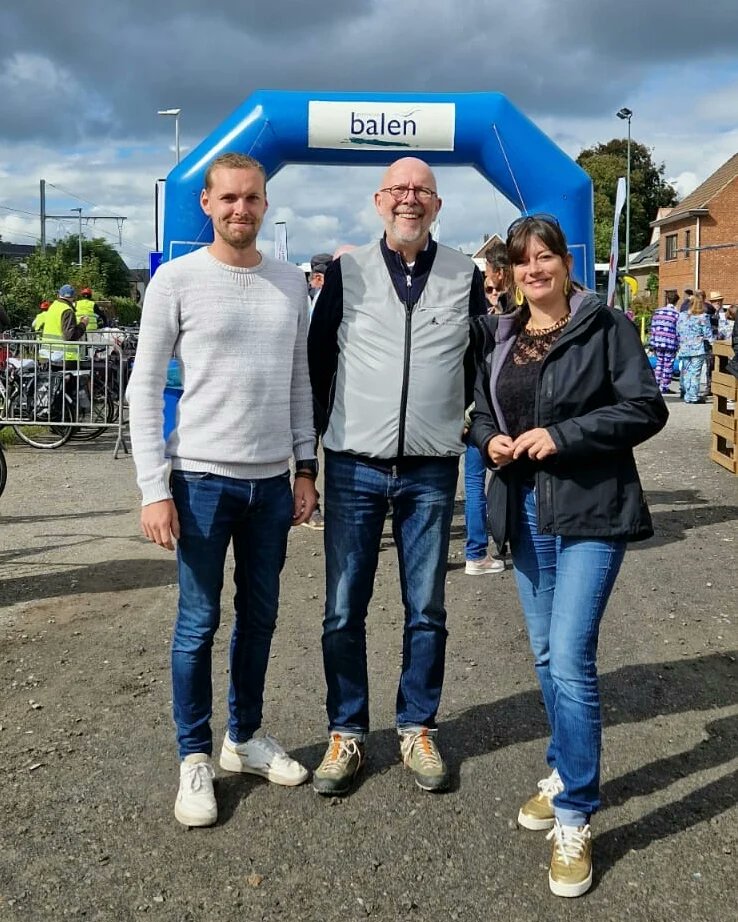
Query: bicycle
(38, 400)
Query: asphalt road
(90, 773)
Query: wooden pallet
(723, 419)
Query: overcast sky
(81, 82)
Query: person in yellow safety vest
(61, 324)
(40, 319)
(85, 307)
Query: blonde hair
(697, 303)
(233, 161)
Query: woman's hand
(500, 450)
(537, 443)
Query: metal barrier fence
(53, 392)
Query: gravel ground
(91, 773)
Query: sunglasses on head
(539, 216)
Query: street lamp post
(626, 115)
(175, 113)
(79, 236)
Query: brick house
(479, 256)
(698, 246)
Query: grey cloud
(133, 57)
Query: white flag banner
(613, 273)
(280, 241)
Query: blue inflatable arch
(481, 130)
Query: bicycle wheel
(3, 471)
(40, 434)
(103, 411)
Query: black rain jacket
(598, 398)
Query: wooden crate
(723, 419)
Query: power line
(79, 198)
(18, 210)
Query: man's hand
(305, 499)
(500, 450)
(536, 442)
(85, 320)
(160, 524)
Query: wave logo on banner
(280, 241)
(389, 125)
(613, 270)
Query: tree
(649, 190)
(115, 270)
(25, 285)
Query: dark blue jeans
(357, 498)
(564, 585)
(213, 511)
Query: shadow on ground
(106, 576)
(633, 694)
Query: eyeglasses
(539, 216)
(399, 193)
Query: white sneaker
(485, 565)
(263, 756)
(195, 804)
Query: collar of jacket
(399, 270)
(583, 305)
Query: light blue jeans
(475, 504)
(564, 585)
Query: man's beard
(241, 239)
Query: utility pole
(119, 219)
(79, 237)
(43, 214)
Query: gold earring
(519, 296)
(567, 285)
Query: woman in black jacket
(563, 394)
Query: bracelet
(308, 475)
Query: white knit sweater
(240, 336)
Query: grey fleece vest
(379, 353)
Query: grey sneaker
(263, 756)
(538, 811)
(341, 763)
(195, 804)
(485, 565)
(420, 754)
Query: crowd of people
(400, 342)
(685, 334)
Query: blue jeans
(475, 504)
(213, 511)
(357, 498)
(564, 585)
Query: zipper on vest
(406, 366)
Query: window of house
(687, 241)
(671, 247)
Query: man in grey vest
(391, 369)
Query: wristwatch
(309, 468)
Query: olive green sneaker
(538, 811)
(341, 763)
(570, 873)
(420, 754)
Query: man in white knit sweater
(237, 322)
